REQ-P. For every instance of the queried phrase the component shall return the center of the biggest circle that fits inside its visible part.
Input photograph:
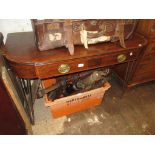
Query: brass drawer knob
(121, 58)
(64, 68)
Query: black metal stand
(29, 90)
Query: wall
(14, 25)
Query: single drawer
(143, 77)
(82, 64)
(150, 48)
(147, 64)
(152, 28)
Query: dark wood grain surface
(21, 48)
(145, 70)
(28, 62)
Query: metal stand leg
(29, 90)
(26, 89)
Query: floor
(134, 113)
(44, 123)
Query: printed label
(79, 99)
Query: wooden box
(77, 102)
